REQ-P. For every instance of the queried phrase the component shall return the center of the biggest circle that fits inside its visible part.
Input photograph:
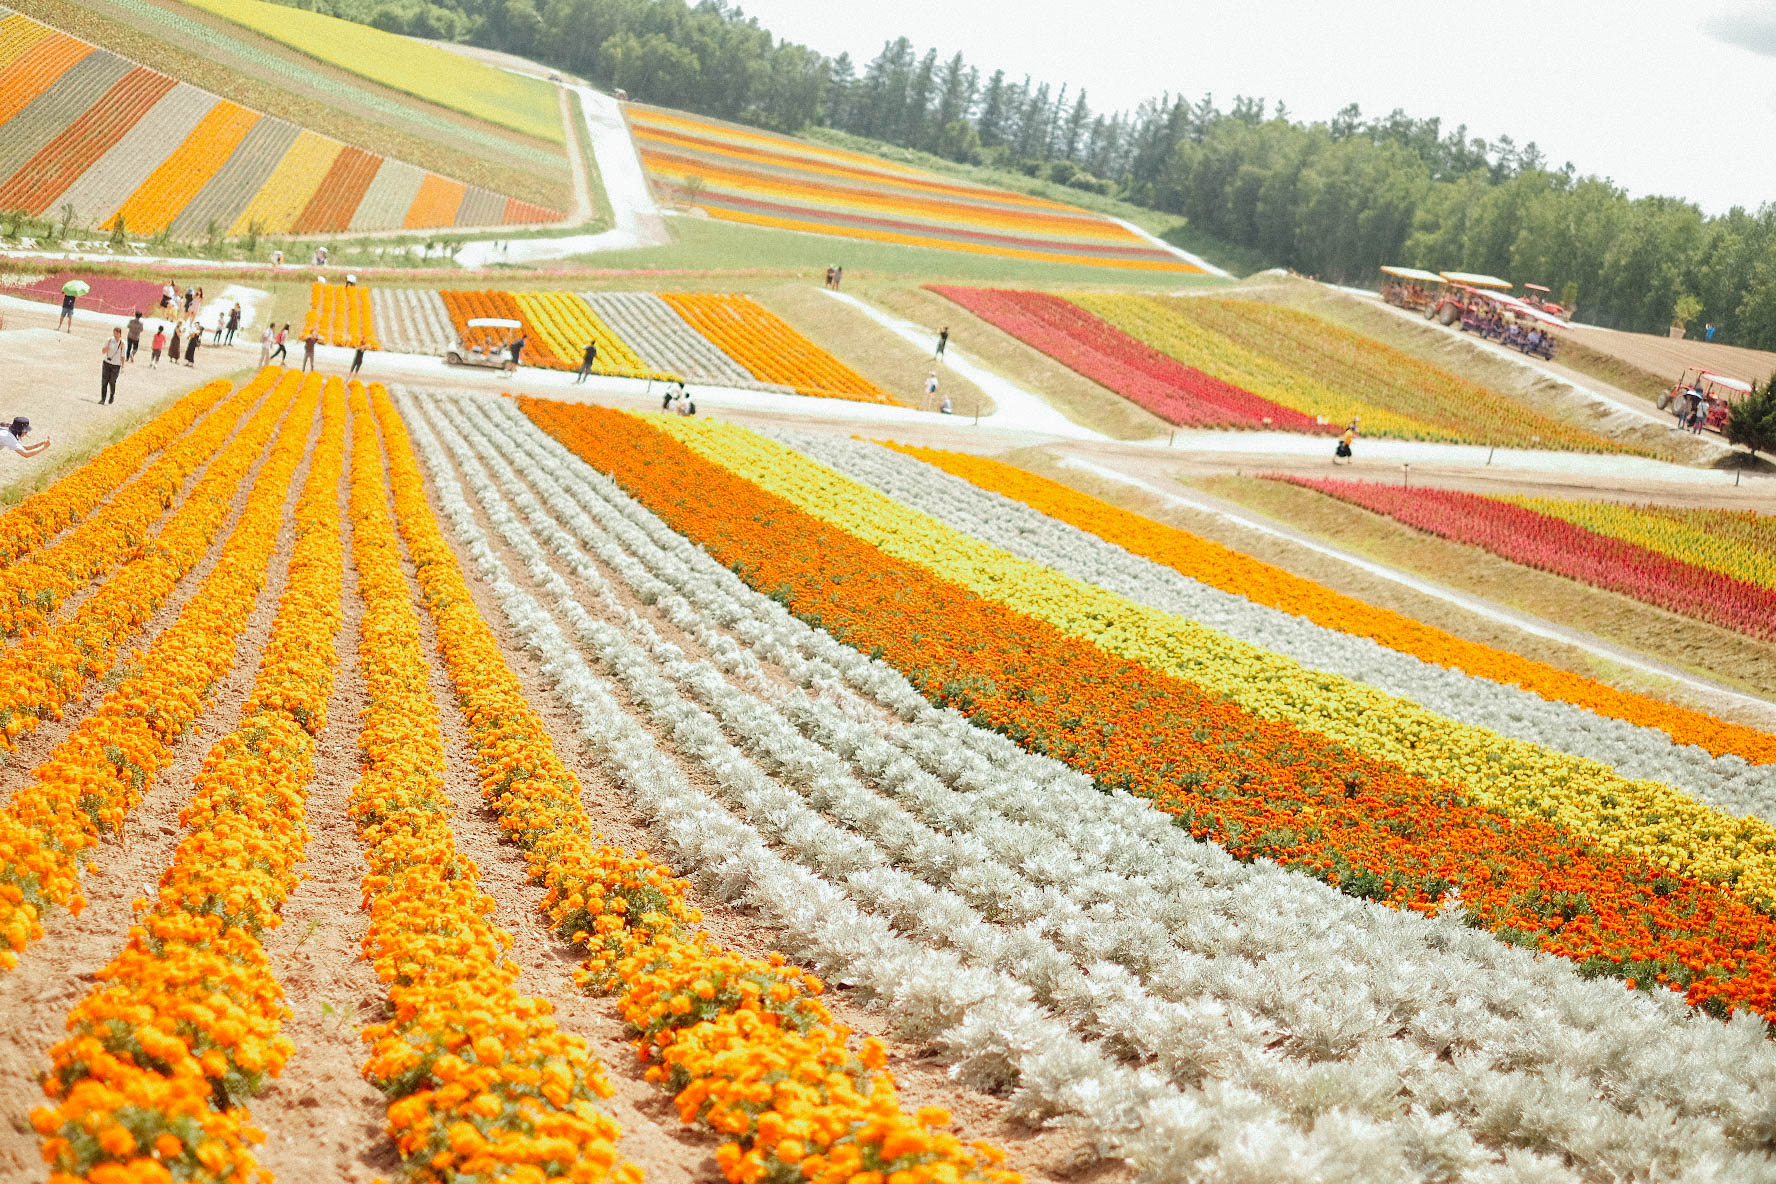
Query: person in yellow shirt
(1343, 451)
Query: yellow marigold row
(482, 1083)
(149, 1086)
(45, 514)
(96, 777)
(1646, 818)
(50, 669)
(115, 533)
(744, 1044)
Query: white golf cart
(485, 347)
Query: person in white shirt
(111, 365)
(13, 437)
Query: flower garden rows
(735, 332)
(932, 864)
(1190, 362)
(1555, 867)
(69, 123)
(1738, 543)
(758, 178)
(1561, 542)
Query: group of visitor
(1692, 408)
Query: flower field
(1741, 544)
(728, 339)
(1156, 381)
(794, 792)
(342, 315)
(1564, 543)
(762, 179)
(70, 115)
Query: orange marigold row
(31, 591)
(745, 1044)
(482, 1083)
(95, 777)
(47, 513)
(149, 1086)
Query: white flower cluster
(1046, 935)
(1727, 783)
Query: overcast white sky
(1664, 97)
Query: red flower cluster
(1552, 544)
(1175, 392)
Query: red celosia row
(1168, 388)
(1543, 541)
(1260, 788)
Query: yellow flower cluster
(744, 1043)
(48, 512)
(568, 323)
(482, 1083)
(149, 1085)
(49, 669)
(32, 590)
(97, 775)
(1646, 818)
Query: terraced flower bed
(68, 111)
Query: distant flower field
(119, 143)
(743, 175)
(515, 101)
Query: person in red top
(154, 347)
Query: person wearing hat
(13, 437)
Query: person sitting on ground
(13, 437)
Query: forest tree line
(1335, 198)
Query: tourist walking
(358, 357)
(132, 338)
(192, 342)
(234, 318)
(177, 340)
(13, 436)
(516, 349)
(590, 356)
(169, 295)
(156, 346)
(1343, 451)
(943, 342)
(309, 341)
(279, 350)
(110, 365)
(67, 317)
(190, 295)
(838, 277)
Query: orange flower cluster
(482, 1083)
(96, 776)
(47, 513)
(341, 314)
(1226, 569)
(465, 305)
(759, 340)
(48, 670)
(745, 1044)
(185, 1025)
(30, 592)
(1261, 788)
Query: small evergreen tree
(1751, 424)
